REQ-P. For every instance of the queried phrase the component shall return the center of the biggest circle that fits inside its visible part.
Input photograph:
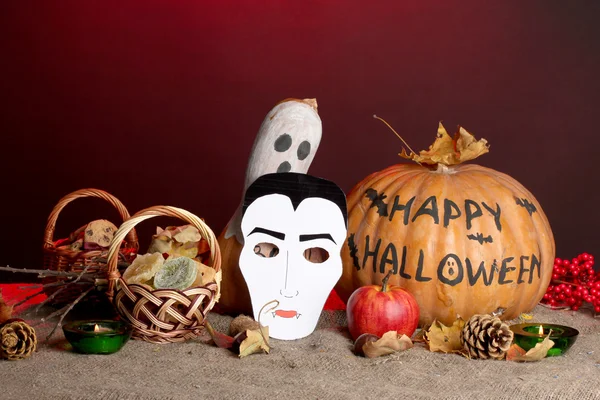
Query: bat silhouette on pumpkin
(377, 201)
(480, 238)
(530, 207)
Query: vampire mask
(293, 227)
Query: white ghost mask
(287, 141)
(292, 255)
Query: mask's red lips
(286, 313)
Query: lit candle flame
(96, 329)
(541, 330)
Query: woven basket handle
(51, 225)
(151, 212)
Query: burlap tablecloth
(320, 366)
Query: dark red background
(158, 102)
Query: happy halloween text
(451, 269)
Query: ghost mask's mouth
(286, 314)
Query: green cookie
(178, 273)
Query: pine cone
(17, 340)
(485, 336)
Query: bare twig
(42, 273)
(39, 292)
(66, 285)
(47, 285)
(65, 312)
(52, 284)
(94, 279)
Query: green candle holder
(97, 337)
(528, 335)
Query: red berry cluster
(574, 282)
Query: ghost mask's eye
(283, 143)
(266, 250)
(303, 150)
(316, 255)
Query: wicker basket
(76, 261)
(163, 315)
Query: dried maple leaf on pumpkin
(449, 150)
(389, 343)
(516, 353)
(446, 339)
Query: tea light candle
(528, 335)
(97, 337)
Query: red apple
(378, 309)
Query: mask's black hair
(297, 187)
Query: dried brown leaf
(535, 354)
(449, 150)
(389, 343)
(5, 310)
(468, 147)
(255, 342)
(406, 155)
(514, 351)
(446, 339)
(219, 339)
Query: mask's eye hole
(266, 250)
(316, 255)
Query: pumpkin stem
(400, 137)
(384, 282)
(444, 169)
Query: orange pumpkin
(235, 298)
(463, 239)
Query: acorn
(241, 323)
(361, 341)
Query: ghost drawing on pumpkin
(287, 141)
(293, 227)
